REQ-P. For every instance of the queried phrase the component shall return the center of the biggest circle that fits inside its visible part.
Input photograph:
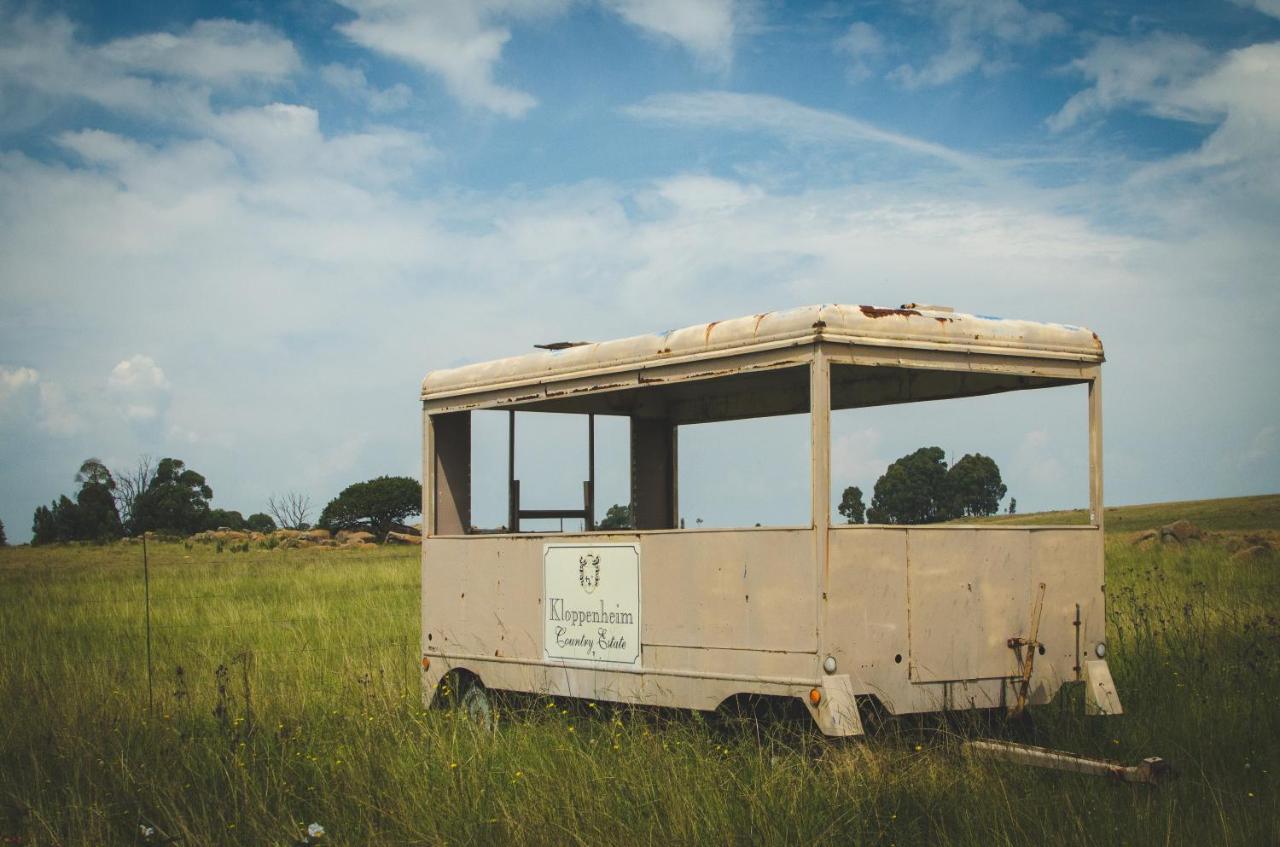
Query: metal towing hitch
(1152, 770)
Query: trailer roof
(918, 328)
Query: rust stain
(706, 336)
(819, 325)
(944, 320)
(756, 329)
(874, 312)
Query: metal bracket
(1028, 647)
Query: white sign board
(591, 603)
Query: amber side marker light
(426, 663)
(815, 696)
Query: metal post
(146, 591)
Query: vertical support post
(591, 473)
(428, 475)
(513, 498)
(820, 473)
(1095, 450)
(146, 593)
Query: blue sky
(240, 233)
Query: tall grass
(286, 693)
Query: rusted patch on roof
(755, 330)
(819, 325)
(706, 336)
(875, 312)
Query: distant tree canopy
(974, 486)
(92, 516)
(919, 488)
(177, 501)
(851, 505)
(4, 542)
(259, 522)
(376, 505)
(618, 517)
(224, 519)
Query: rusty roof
(907, 328)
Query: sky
(240, 233)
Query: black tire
(475, 704)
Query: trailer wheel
(476, 704)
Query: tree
(59, 521)
(851, 505)
(130, 485)
(290, 510)
(176, 500)
(96, 516)
(223, 519)
(1013, 505)
(376, 505)
(912, 490)
(4, 542)
(973, 487)
(258, 522)
(618, 517)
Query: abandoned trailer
(923, 618)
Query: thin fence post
(146, 589)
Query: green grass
(286, 692)
(1226, 514)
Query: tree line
(169, 498)
(919, 488)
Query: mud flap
(837, 714)
(1100, 697)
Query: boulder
(1252, 554)
(1180, 532)
(317, 534)
(402, 538)
(357, 537)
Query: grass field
(1231, 513)
(286, 693)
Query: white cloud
(220, 52)
(789, 120)
(979, 35)
(352, 83)
(1266, 7)
(1237, 168)
(864, 45)
(167, 77)
(137, 373)
(14, 380)
(706, 28)
(460, 41)
(140, 388)
(1150, 73)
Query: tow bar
(1152, 770)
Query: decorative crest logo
(589, 572)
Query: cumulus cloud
(15, 379)
(165, 76)
(352, 83)
(706, 28)
(140, 387)
(219, 52)
(1151, 73)
(458, 40)
(979, 35)
(1237, 166)
(863, 45)
(462, 41)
